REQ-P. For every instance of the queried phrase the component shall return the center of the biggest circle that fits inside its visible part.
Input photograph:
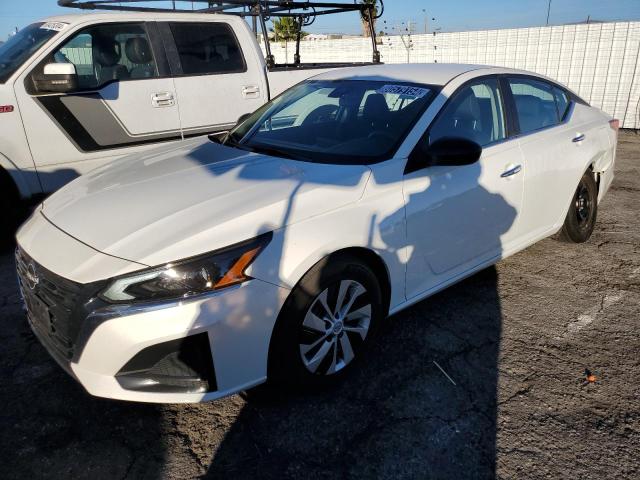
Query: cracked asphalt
(515, 341)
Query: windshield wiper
(226, 140)
(229, 141)
(215, 138)
(273, 151)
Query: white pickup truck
(77, 91)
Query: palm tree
(285, 29)
(364, 16)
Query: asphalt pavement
(488, 378)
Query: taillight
(614, 124)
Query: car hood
(194, 197)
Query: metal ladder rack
(305, 13)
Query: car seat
(139, 53)
(106, 55)
(375, 113)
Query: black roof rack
(261, 10)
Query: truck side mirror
(57, 78)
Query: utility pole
(426, 20)
(548, 12)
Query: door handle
(579, 138)
(250, 91)
(163, 99)
(511, 171)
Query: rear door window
(207, 48)
(538, 104)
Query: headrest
(375, 106)
(138, 50)
(106, 51)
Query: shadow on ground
(399, 415)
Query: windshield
(338, 121)
(22, 45)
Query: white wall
(599, 61)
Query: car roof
(425, 73)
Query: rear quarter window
(562, 102)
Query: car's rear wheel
(327, 323)
(581, 217)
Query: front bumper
(238, 323)
(106, 347)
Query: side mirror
(453, 151)
(57, 78)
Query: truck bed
(284, 76)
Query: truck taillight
(614, 124)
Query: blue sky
(450, 15)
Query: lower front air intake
(184, 365)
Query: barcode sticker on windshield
(404, 90)
(57, 26)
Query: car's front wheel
(327, 323)
(581, 217)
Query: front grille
(52, 304)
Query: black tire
(581, 217)
(11, 210)
(291, 334)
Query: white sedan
(199, 270)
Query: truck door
(216, 81)
(124, 101)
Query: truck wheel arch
(12, 181)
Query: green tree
(285, 29)
(364, 16)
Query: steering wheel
(320, 114)
(381, 133)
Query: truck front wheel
(11, 210)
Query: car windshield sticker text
(56, 26)
(404, 91)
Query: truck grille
(53, 306)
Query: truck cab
(78, 91)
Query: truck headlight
(185, 278)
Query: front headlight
(192, 276)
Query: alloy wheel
(334, 327)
